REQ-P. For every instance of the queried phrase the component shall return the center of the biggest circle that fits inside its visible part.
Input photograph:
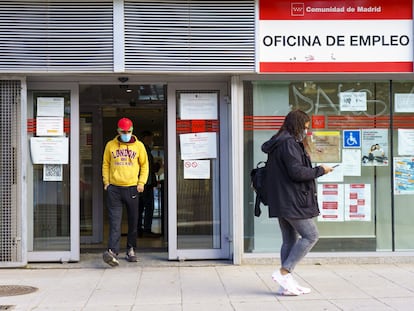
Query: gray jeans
(299, 236)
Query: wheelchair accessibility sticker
(352, 139)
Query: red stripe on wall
(263, 123)
(273, 123)
(336, 67)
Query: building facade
(212, 80)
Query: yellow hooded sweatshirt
(125, 164)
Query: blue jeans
(117, 198)
(299, 236)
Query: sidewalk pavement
(157, 284)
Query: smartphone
(336, 165)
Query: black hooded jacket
(290, 178)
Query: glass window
(348, 117)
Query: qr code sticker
(52, 172)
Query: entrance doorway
(101, 106)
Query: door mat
(14, 290)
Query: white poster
(357, 202)
(405, 142)
(49, 126)
(50, 106)
(196, 169)
(351, 162)
(198, 146)
(353, 101)
(331, 202)
(49, 150)
(198, 106)
(374, 147)
(404, 102)
(337, 175)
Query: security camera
(123, 79)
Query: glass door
(53, 196)
(198, 200)
(90, 176)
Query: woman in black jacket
(292, 196)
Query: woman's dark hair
(294, 123)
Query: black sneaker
(110, 258)
(130, 256)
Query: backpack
(258, 183)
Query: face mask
(303, 136)
(126, 137)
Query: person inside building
(125, 172)
(292, 196)
(146, 198)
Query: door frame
(73, 254)
(224, 198)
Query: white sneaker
(284, 292)
(302, 289)
(287, 282)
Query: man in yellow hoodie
(125, 172)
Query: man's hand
(140, 188)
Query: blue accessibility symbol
(352, 139)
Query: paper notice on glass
(325, 146)
(49, 126)
(405, 142)
(198, 106)
(404, 102)
(49, 150)
(198, 146)
(375, 147)
(52, 172)
(331, 202)
(357, 202)
(197, 169)
(403, 175)
(353, 101)
(335, 176)
(351, 162)
(50, 106)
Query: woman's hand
(326, 169)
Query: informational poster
(403, 175)
(336, 175)
(49, 126)
(325, 146)
(198, 106)
(374, 147)
(331, 203)
(198, 146)
(335, 36)
(357, 202)
(353, 101)
(404, 102)
(405, 142)
(350, 162)
(49, 150)
(196, 169)
(50, 106)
